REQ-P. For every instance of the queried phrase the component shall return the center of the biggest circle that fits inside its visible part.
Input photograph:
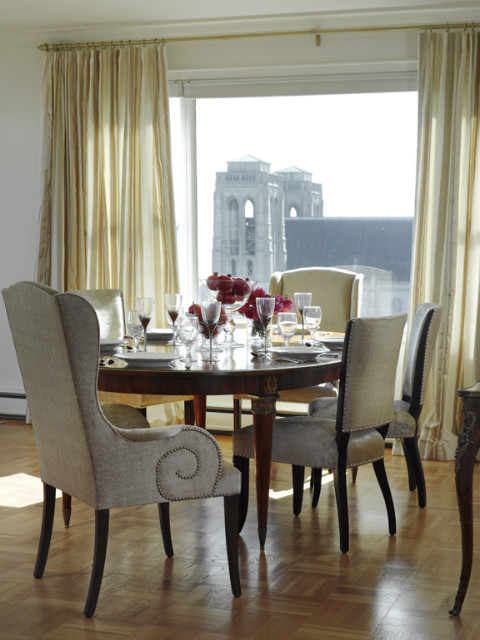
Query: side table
(465, 455)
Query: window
(323, 180)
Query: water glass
(287, 325)
(134, 328)
(188, 327)
(302, 300)
(312, 316)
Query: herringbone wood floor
(300, 587)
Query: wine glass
(187, 330)
(265, 309)
(134, 328)
(312, 316)
(210, 316)
(287, 325)
(173, 302)
(302, 300)
(144, 308)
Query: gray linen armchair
(356, 434)
(407, 409)
(339, 293)
(106, 462)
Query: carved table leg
(200, 403)
(263, 409)
(468, 445)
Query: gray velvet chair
(339, 293)
(108, 458)
(406, 412)
(356, 435)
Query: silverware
(274, 357)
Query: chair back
(337, 291)
(368, 371)
(420, 350)
(56, 337)
(109, 306)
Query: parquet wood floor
(301, 587)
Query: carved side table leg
(468, 445)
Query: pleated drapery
(446, 259)
(107, 215)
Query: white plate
(111, 343)
(298, 353)
(159, 334)
(149, 358)
(332, 342)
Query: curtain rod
(316, 33)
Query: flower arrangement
(249, 309)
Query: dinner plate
(159, 334)
(298, 353)
(111, 343)
(149, 358)
(333, 342)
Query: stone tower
(250, 205)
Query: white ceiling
(63, 16)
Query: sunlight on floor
(20, 490)
(278, 495)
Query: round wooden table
(236, 372)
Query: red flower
(249, 309)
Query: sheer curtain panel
(107, 214)
(446, 260)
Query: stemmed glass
(210, 316)
(302, 300)
(287, 325)
(134, 328)
(312, 316)
(173, 302)
(265, 309)
(144, 308)
(187, 329)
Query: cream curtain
(446, 260)
(107, 216)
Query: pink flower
(249, 309)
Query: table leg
(200, 403)
(468, 445)
(263, 409)
(189, 409)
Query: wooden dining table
(236, 372)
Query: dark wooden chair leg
(101, 538)
(243, 465)
(66, 509)
(164, 515)
(416, 468)
(49, 494)
(231, 505)
(189, 411)
(237, 414)
(298, 478)
(317, 486)
(340, 483)
(410, 462)
(379, 467)
(354, 474)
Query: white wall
(20, 81)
